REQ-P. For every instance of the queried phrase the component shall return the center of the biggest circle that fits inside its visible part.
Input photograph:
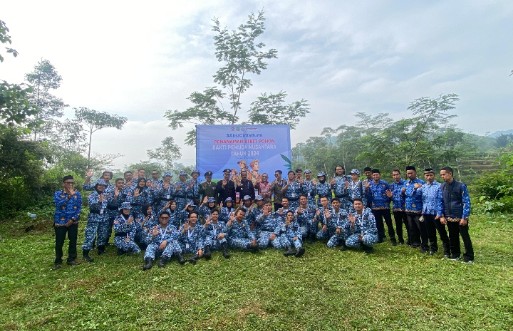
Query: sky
(138, 59)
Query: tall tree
(43, 80)
(242, 55)
(94, 121)
(166, 154)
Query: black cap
(65, 178)
(208, 173)
(367, 169)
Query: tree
(241, 55)
(5, 38)
(166, 154)
(95, 120)
(43, 79)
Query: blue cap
(167, 174)
(101, 181)
(246, 197)
(228, 199)
(320, 174)
(259, 198)
(355, 172)
(125, 205)
(211, 199)
(183, 173)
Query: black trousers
(414, 226)
(60, 236)
(455, 230)
(432, 226)
(400, 219)
(381, 214)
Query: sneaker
(454, 258)
(447, 256)
(467, 260)
(57, 266)
(72, 262)
(432, 252)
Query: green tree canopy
(242, 55)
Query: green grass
(395, 288)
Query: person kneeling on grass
(191, 237)
(360, 230)
(125, 229)
(164, 241)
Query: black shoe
(72, 262)
(467, 260)
(162, 262)
(367, 249)
(380, 240)
(300, 252)
(225, 250)
(401, 241)
(120, 252)
(343, 247)
(454, 258)
(57, 266)
(394, 242)
(148, 263)
(181, 260)
(208, 253)
(86, 256)
(432, 252)
(423, 250)
(101, 250)
(289, 252)
(193, 259)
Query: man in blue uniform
(378, 190)
(360, 229)
(413, 207)
(164, 241)
(431, 201)
(292, 190)
(455, 212)
(96, 220)
(68, 205)
(397, 196)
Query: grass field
(396, 288)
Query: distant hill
(499, 133)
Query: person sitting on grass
(191, 237)
(239, 233)
(164, 242)
(360, 230)
(125, 229)
(215, 235)
(291, 236)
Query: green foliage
(5, 38)
(271, 109)
(495, 189)
(21, 168)
(43, 80)
(95, 120)
(241, 55)
(166, 154)
(426, 139)
(15, 107)
(392, 289)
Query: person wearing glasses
(68, 205)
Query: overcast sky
(138, 59)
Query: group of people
(189, 219)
